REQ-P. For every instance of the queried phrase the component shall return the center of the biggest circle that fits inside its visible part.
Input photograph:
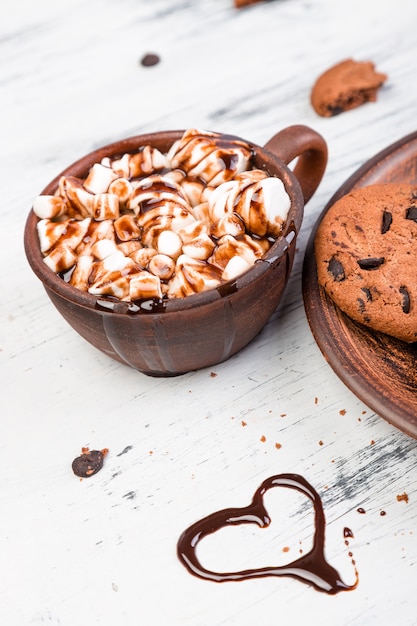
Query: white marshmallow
(99, 178)
(48, 207)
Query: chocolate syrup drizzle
(311, 568)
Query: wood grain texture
(103, 550)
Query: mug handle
(310, 148)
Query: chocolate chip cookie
(346, 86)
(366, 254)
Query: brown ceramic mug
(201, 330)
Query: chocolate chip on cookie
(366, 254)
(346, 86)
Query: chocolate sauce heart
(311, 568)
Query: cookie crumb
(403, 497)
(239, 4)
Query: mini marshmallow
(228, 247)
(144, 286)
(263, 205)
(156, 190)
(111, 286)
(79, 201)
(199, 248)
(143, 256)
(110, 276)
(277, 204)
(95, 232)
(121, 166)
(122, 188)
(129, 247)
(105, 206)
(99, 178)
(193, 190)
(71, 232)
(81, 273)
(202, 154)
(147, 161)
(48, 207)
(50, 232)
(192, 231)
(60, 259)
(168, 216)
(75, 232)
(235, 267)
(117, 262)
(201, 214)
(169, 243)
(222, 200)
(195, 276)
(162, 266)
(228, 225)
(126, 228)
(103, 248)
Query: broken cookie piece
(345, 86)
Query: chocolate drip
(311, 568)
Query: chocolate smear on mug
(311, 568)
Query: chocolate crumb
(149, 59)
(89, 462)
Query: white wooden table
(103, 550)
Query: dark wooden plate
(378, 369)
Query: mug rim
(160, 139)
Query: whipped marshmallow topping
(153, 225)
